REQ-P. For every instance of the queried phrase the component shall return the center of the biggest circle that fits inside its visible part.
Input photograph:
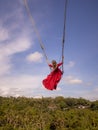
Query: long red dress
(51, 81)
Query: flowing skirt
(51, 81)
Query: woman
(54, 77)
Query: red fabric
(51, 81)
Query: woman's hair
(54, 64)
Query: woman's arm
(50, 65)
(59, 64)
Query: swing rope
(63, 40)
(36, 31)
(39, 37)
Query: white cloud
(20, 85)
(13, 37)
(70, 65)
(96, 89)
(72, 80)
(5, 65)
(20, 45)
(58, 89)
(8, 50)
(92, 94)
(35, 57)
(4, 34)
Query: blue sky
(22, 64)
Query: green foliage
(94, 105)
(48, 114)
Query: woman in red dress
(51, 81)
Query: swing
(51, 81)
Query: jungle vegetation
(57, 113)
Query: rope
(36, 31)
(63, 40)
(39, 38)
